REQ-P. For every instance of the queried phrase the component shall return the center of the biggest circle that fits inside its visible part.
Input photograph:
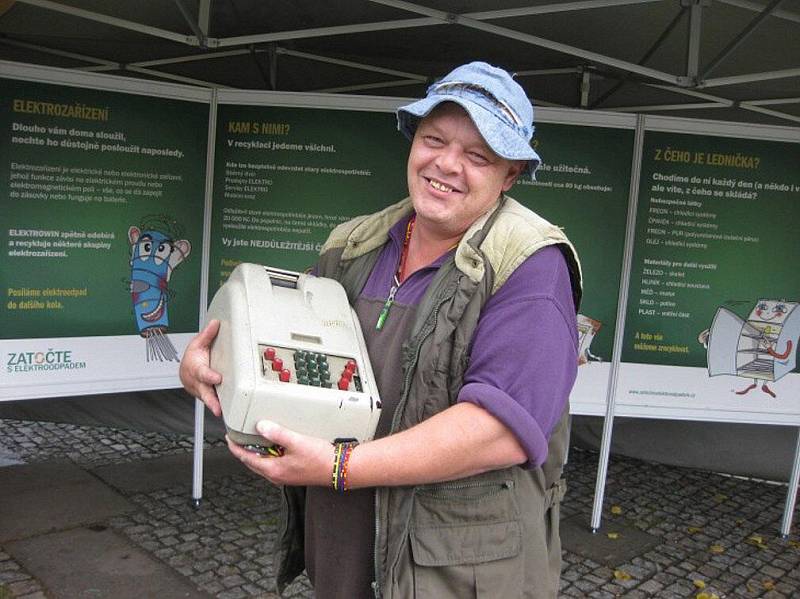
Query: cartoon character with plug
(155, 252)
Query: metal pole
(585, 88)
(756, 7)
(204, 16)
(643, 60)
(662, 107)
(791, 492)
(114, 21)
(109, 64)
(190, 21)
(737, 79)
(450, 18)
(350, 64)
(197, 453)
(608, 423)
(173, 77)
(751, 27)
(273, 67)
(553, 7)
(693, 47)
(767, 111)
(199, 408)
(280, 36)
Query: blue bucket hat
(496, 103)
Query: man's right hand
(196, 375)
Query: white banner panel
(84, 365)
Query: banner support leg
(791, 492)
(197, 466)
(619, 332)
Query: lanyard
(399, 275)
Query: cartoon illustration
(762, 348)
(587, 329)
(155, 252)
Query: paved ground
(102, 512)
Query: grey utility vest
(490, 535)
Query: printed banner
(584, 187)
(102, 196)
(285, 177)
(713, 318)
(102, 202)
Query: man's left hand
(306, 461)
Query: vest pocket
(465, 539)
(482, 561)
(465, 521)
(465, 544)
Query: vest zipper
(427, 330)
(446, 489)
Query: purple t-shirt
(523, 355)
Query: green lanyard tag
(388, 304)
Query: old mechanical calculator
(290, 349)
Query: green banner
(716, 229)
(284, 177)
(102, 202)
(583, 186)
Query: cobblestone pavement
(714, 535)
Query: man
(468, 304)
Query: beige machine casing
(260, 308)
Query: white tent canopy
(734, 60)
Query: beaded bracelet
(337, 456)
(341, 459)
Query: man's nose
(449, 159)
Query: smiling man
(468, 305)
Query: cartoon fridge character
(587, 329)
(762, 348)
(155, 252)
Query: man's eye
(478, 158)
(433, 140)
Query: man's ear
(515, 168)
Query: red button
(277, 364)
(285, 376)
(350, 366)
(344, 383)
(269, 353)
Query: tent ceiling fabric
(735, 60)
